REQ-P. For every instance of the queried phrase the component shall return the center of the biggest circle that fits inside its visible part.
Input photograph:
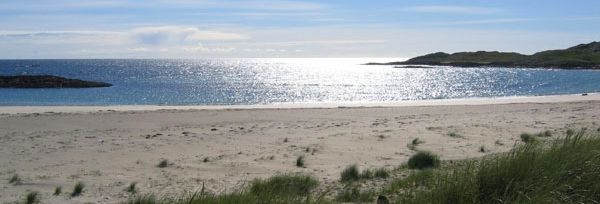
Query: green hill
(584, 56)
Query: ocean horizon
(254, 81)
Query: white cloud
(179, 35)
(453, 9)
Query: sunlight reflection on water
(267, 81)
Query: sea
(279, 81)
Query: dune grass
(381, 173)
(423, 160)
(455, 135)
(32, 197)
(414, 143)
(354, 194)
(565, 170)
(131, 188)
(278, 189)
(561, 171)
(351, 173)
(78, 189)
(14, 179)
(284, 185)
(163, 163)
(528, 137)
(482, 149)
(57, 191)
(300, 161)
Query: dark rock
(47, 81)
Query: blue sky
(288, 28)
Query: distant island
(583, 56)
(47, 81)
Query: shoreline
(308, 105)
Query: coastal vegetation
(562, 170)
(57, 191)
(414, 143)
(32, 197)
(355, 194)
(423, 160)
(14, 179)
(131, 188)
(164, 163)
(528, 137)
(351, 173)
(300, 161)
(583, 56)
(292, 188)
(77, 189)
(455, 135)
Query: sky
(35, 29)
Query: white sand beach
(108, 147)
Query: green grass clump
(414, 181)
(146, 199)
(423, 160)
(560, 171)
(482, 149)
(284, 185)
(300, 161)
(454, 135)
(350, 173)
(14, 179)
(414, 143)
(131, 188)
(527, 138)
(163, 163)
(32, 197)
(275, 190)
(57, 191)
(78, 189)
(355, 195)
(381, 173)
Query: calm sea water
(270, 81)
